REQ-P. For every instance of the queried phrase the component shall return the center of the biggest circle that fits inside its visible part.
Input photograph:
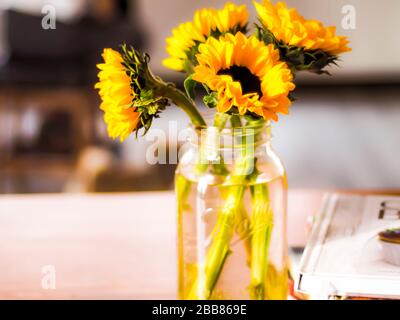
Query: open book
(343, 257)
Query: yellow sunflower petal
(115, 91)
(290, 27)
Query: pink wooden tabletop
(103, 246)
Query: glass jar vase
(231, 194)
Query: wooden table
(101, 246)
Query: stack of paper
(343, 257)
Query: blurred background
(343, 131)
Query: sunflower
(246, 75)
(117, 96)
(182, 45)
(289, 26)
(131, 95)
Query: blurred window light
(30, 124)
(66, 10)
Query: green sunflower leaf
(190, 87)
(211, 100)
(146, 94)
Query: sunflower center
(249, 82)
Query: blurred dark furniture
(53, 71)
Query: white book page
(344, 254)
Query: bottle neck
(231, 141)
(232, 138)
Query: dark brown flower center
(249, 82)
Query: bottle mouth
(228, 128)
(253, 134)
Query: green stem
(262, 224)
(235, 121)
(183, 185)
(223, 230)
(219, 168)
(244, 231)
(220, 247)
(183, 189)
(220, 120)
(183, 102)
